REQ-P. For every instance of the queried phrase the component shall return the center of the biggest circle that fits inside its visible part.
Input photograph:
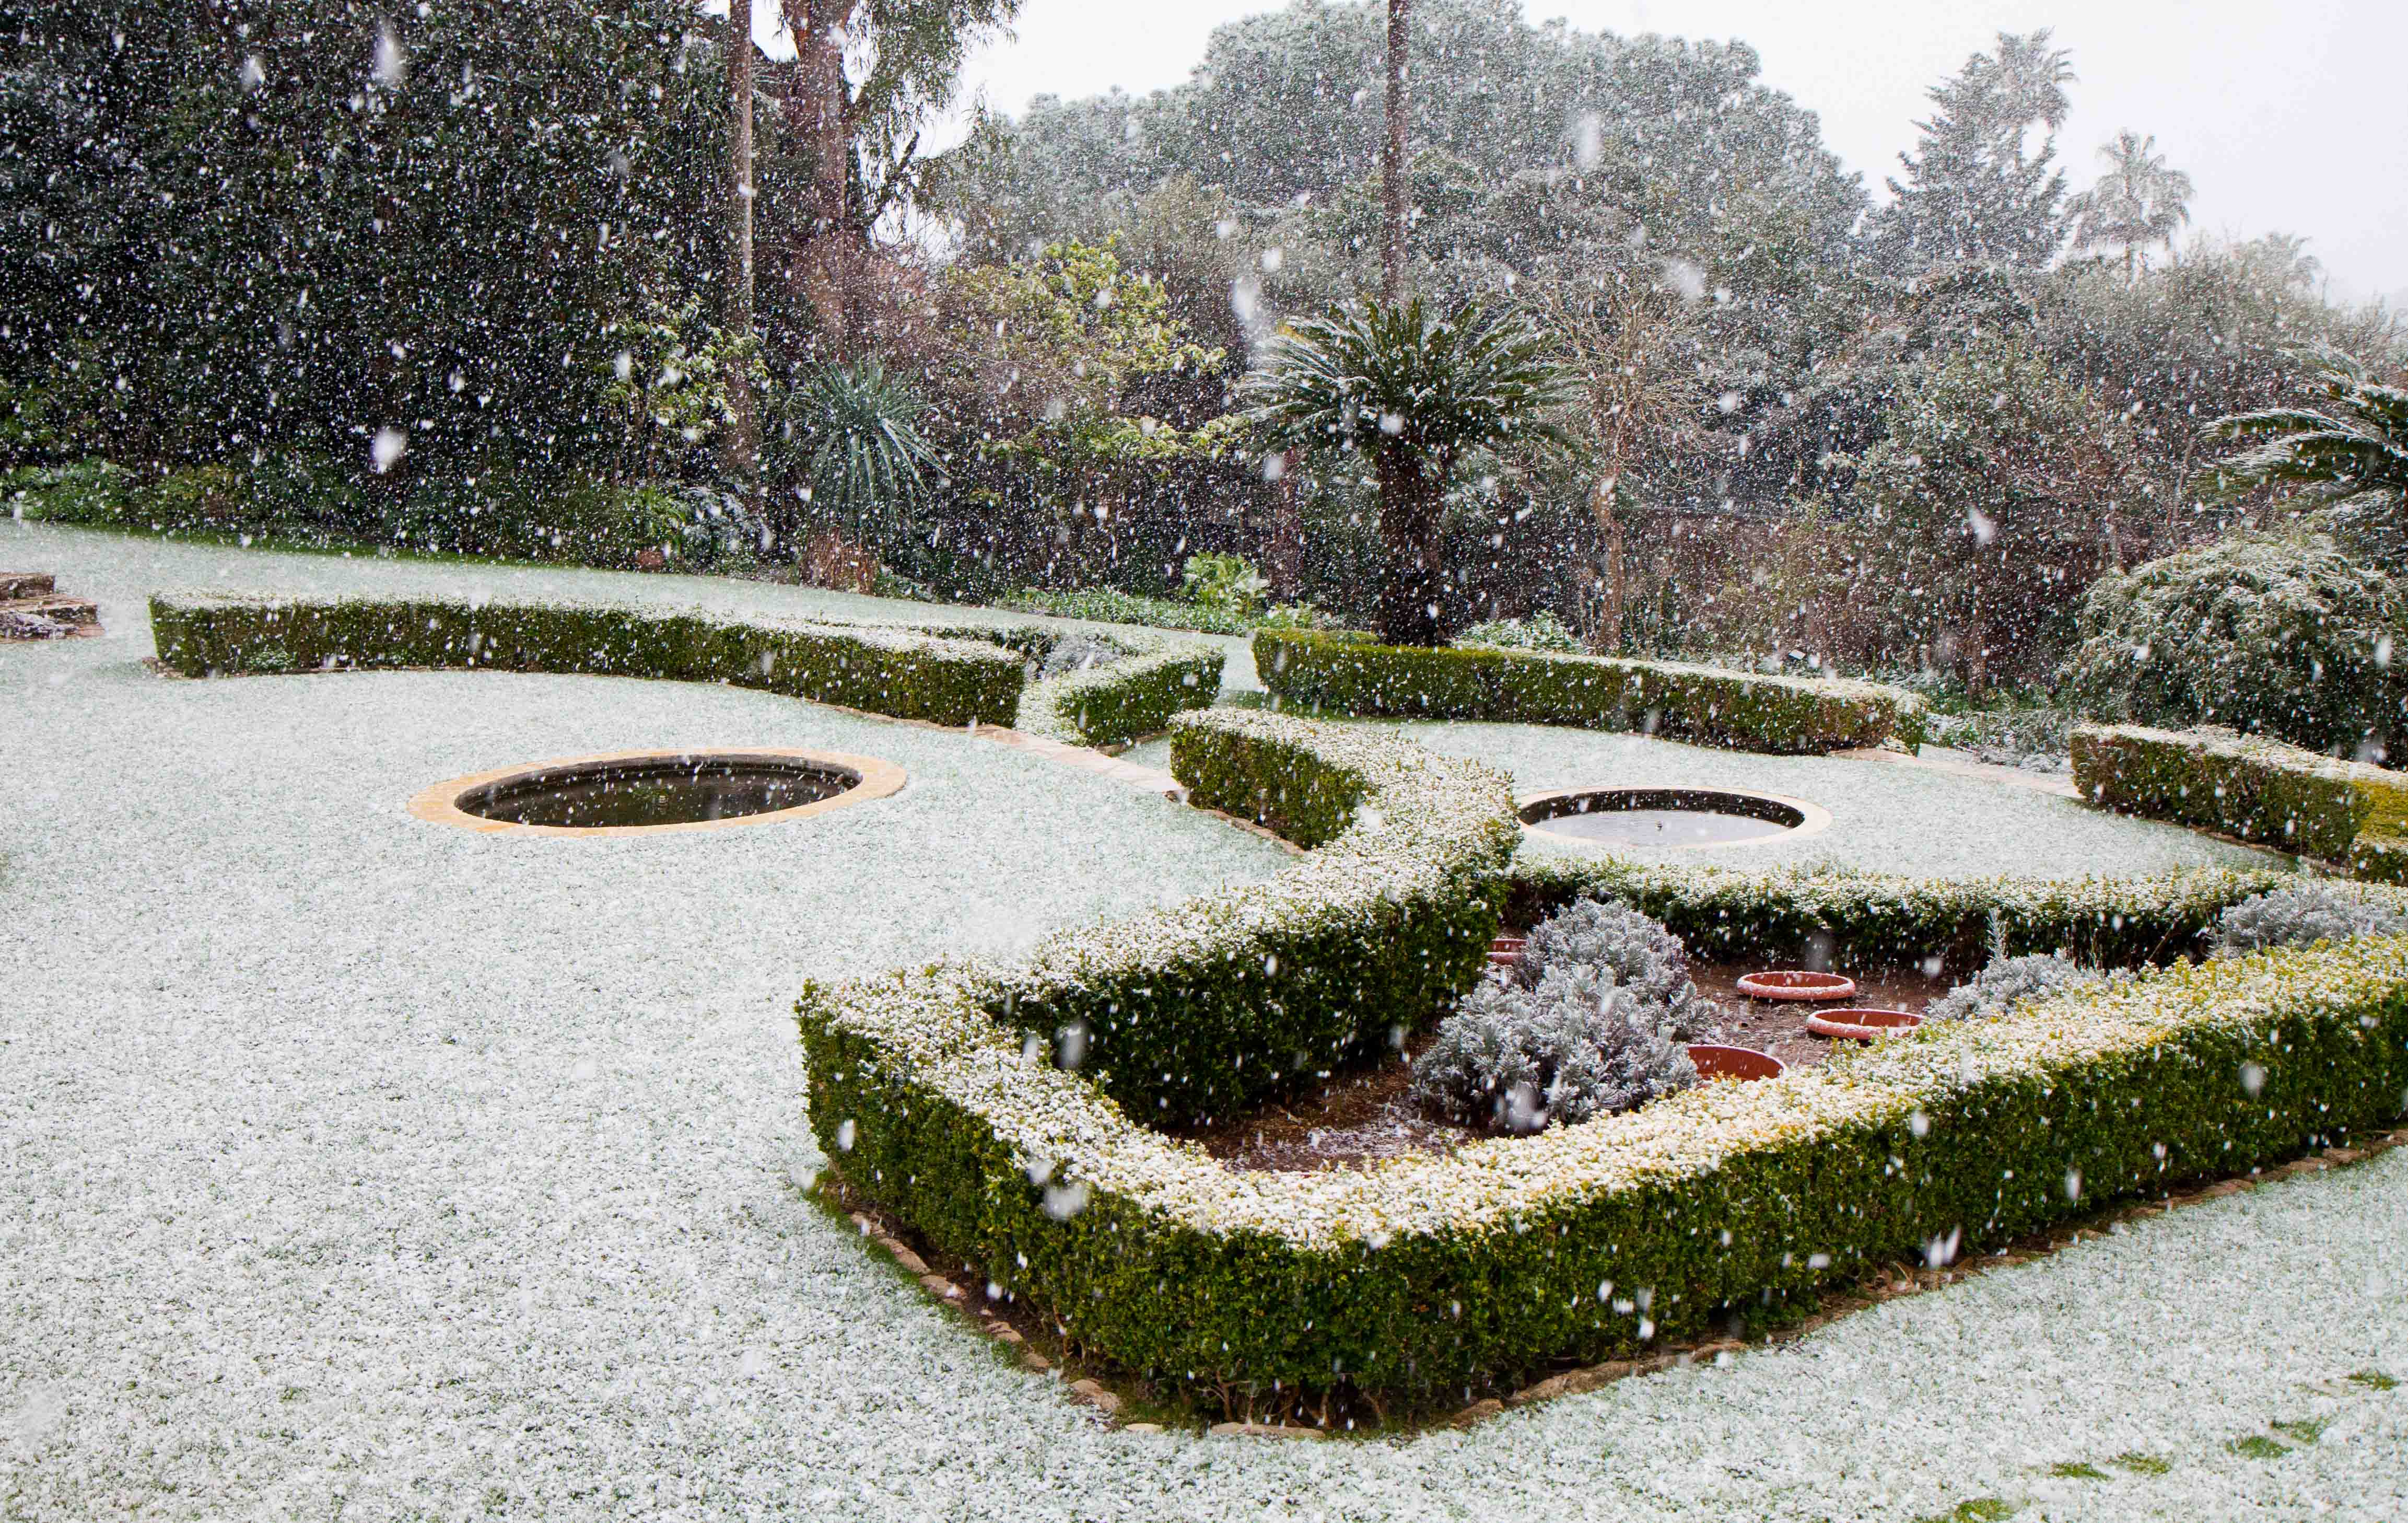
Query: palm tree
(2137, 202)
(2349, 455)
(1415, 390)
(852, 434)
(1393, 169)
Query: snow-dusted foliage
(950, 674)
(1749, 711)
(1576, 1047)
(2252, 787)
(2034, 737)
(1541, 631)
(1647, 961)
(1079, 652)
(2276, 633)
(2008, 982)
(2304, 914)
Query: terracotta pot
(1715, 1061)
(1793, 983)
(1861, 1025)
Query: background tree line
(456, 276)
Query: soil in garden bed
(1778, 1026)
(1359, 1118)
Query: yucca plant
(1415, 390)
(2349, 455)
(851, 433)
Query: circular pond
(635, 791)
(1670, 816)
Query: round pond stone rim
(873, 778)
(1785, 818)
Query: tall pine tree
(1978, 187)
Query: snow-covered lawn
(355, 1166)
(1884, 819)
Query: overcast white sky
(2290, 117)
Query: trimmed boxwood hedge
(946, 674)
(2253, 788)
(1338, 673)
(1234, 998)
(1426, 1274)
(1135, 695)
(1871, 920)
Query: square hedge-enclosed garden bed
(1018, 1116)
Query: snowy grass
(1897, 820)
(271, 1245)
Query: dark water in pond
(1658, 827)
(621, 795)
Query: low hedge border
(1869, 920)
(1135, 695)
(2251, 788)
(1250, 994)
(1337, 673)
(942, 674)
(1428, 1275)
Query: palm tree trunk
(1287, 531)
(1409, 513)
(1392, 159)
(742, 459)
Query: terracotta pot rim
(1749, 1057)
(1852, 1022)
(1796, 983)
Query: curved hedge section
(1426, 1274)
(1871, 920)
(2251, 788)
(1347, 675)
(945, 674)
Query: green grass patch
(2077, 1469)
(2302, 1431)
(2375, 1380)
(2258, 1446)
(2142, 1464)
(1974, 1510)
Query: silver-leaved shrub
(1577, 1046)
(2302, 915)
(1644, 959)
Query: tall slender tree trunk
(1615, 578)
(1409, 522)
(742, 458)
(1393, 169)
(816, 113)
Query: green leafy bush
(1229, 583)
(1340, 674)
(2264, 633)
(1095, 701)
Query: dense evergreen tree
(1978, 186)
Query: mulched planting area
(1359, 1118)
